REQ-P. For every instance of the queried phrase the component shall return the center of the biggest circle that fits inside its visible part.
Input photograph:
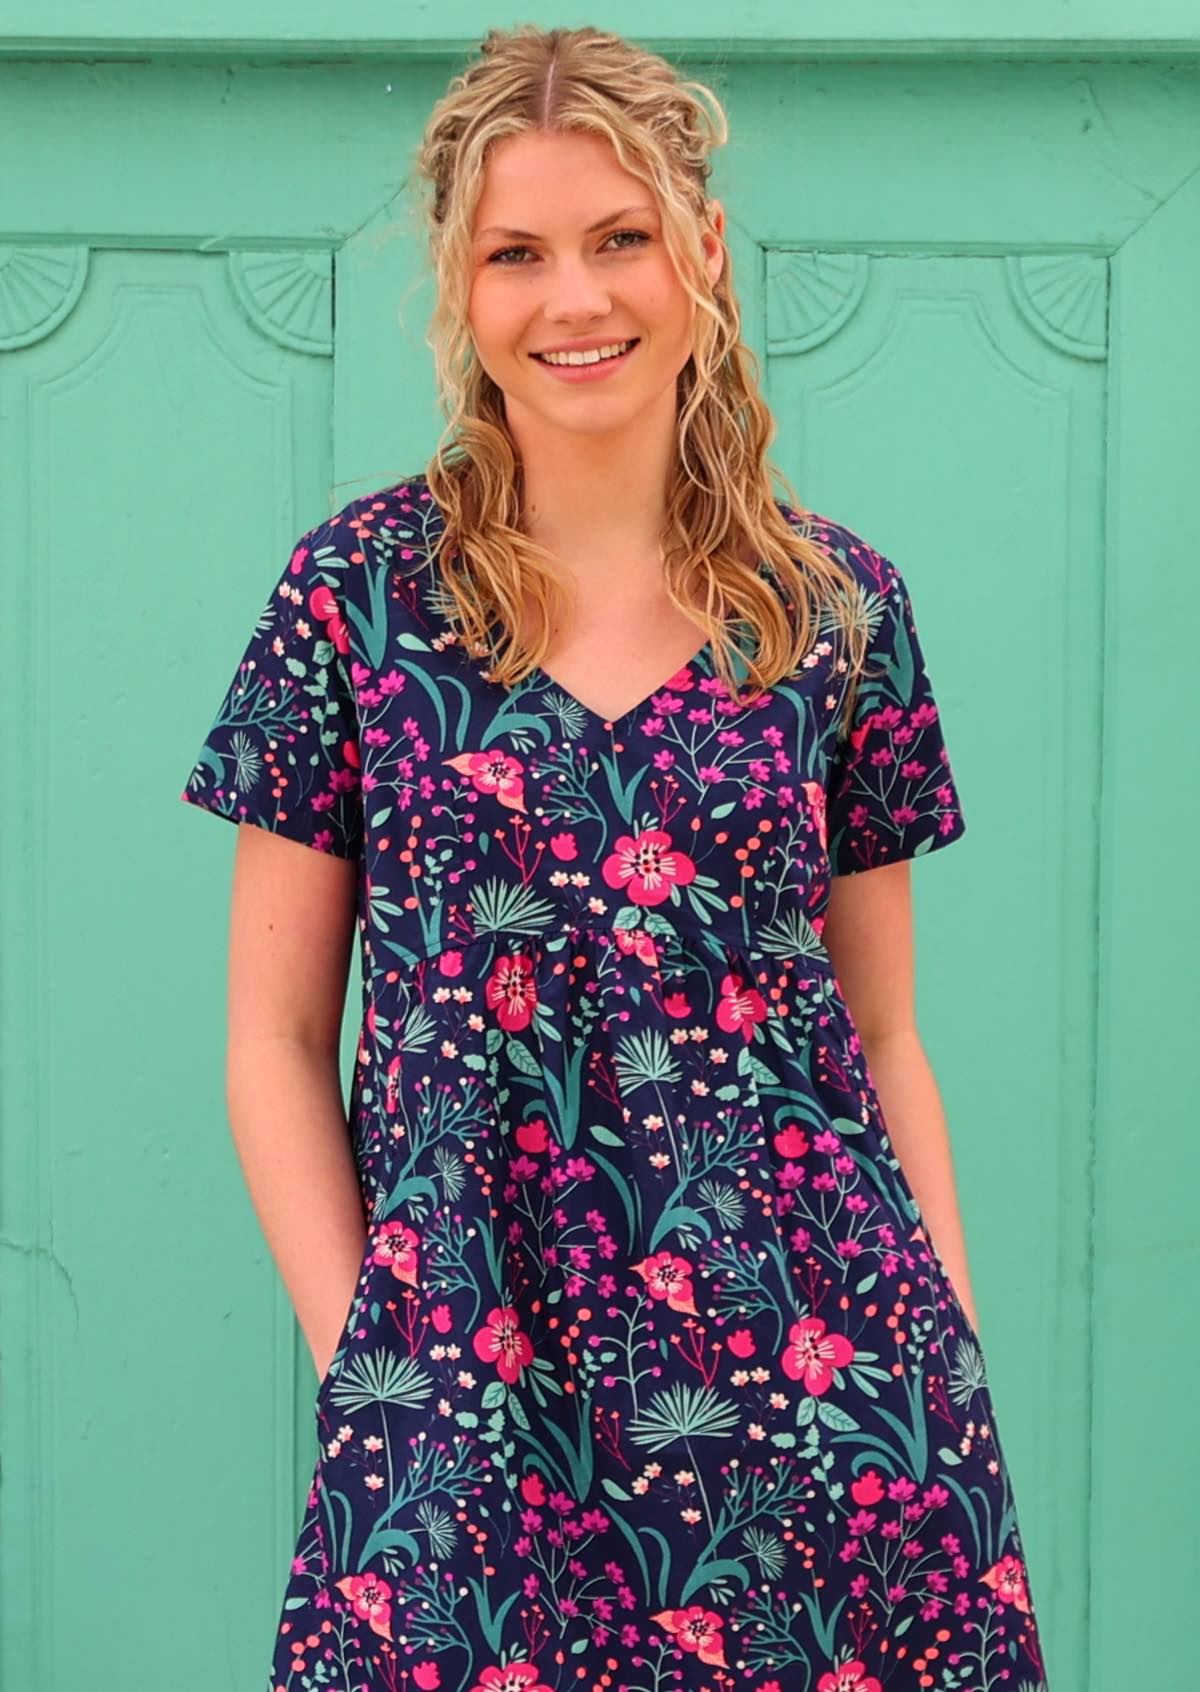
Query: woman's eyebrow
(529, 235)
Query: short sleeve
(283, 752)
(890, 790)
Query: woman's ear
(714, 246)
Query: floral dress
(652, 1380)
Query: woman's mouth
(588, 366)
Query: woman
(639, 1367)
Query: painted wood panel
(159, 440)
(971, 289)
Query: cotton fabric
(652, 1379)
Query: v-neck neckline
(538, 673)
(624, 716)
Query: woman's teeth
(593, 357)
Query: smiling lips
(585, 355)
(587, 363)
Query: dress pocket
(888, 1158)
(935, 1268)
(962, 1321)
(361, 1283)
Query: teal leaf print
(683, 1412)
(502, 906)
(645, 1059)
(380, 1377)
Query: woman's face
(569, 253)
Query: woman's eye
(617, 234)
(637, 234)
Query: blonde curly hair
(721, 505)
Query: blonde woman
(639, 1366)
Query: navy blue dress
(652, 1380)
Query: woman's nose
(574, 289)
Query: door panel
(162, 445)
(952, 410)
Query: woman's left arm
(868, 935)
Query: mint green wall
(817, 26)
(971, 286)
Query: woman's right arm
(292, 922)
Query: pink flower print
(811, 1355)
(500, 1341)
(678, 1005)
(668, 1277)
(791, 1141)
(426, 1676)
(368, 1596)
(344, 781)
(647, 868)
(450, 963)
(683, 681)
(695, 1629)
(533, 1489)
(1007, 1580)
(639, 942)
(514, 1677)
(397, 1244)
(851, 1677)
(853, 744)
(495, 773)
(510, 991)
(564, 847)
(532, 1136)
(323, 608)
(740, 1007)
(867, 1489)
(442, 1318)
(741, 1343)
(815, 794)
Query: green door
(970, 286)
